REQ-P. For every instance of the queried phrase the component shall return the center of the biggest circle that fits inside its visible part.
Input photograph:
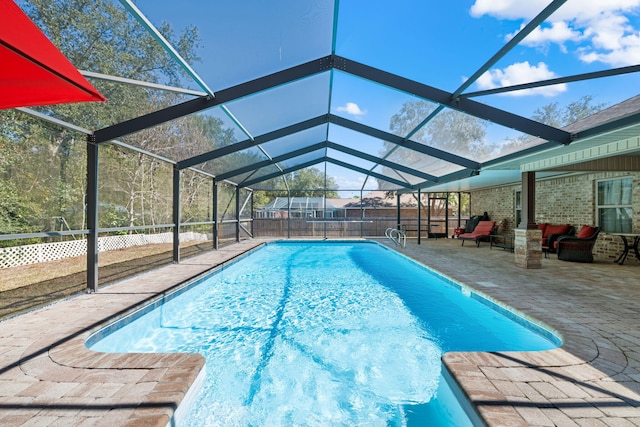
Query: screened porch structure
(287, 102)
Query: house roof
(298, 203)
(370, 199)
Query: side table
(635, 239)
(504, 241)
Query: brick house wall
(568, 199)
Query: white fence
(33, 254)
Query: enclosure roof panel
(388, 93)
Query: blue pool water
(323, 333)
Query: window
(518, 205)
(613, 205)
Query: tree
(14, 216)
(50, 162)
(47, 164)
(552, 114)
(450, 131)
(557, 116)
(309, 182)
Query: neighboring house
(298, 207)
(373, 204)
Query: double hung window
(613, 205)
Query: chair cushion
(484, 227)
(585, 232)
(556, 229)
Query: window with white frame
(613, 205)
(518, 207)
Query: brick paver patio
(49, 378)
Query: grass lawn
(27, 287)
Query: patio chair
(482, 232)
(550, 234)
(470, 224)
(578, 248)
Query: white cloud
(519, 73)
(595, 30)
(556, 32)
(508, 9)
(579, 10)
(352, 108)
(628, 54)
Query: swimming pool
(323, 333)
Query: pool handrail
(398, 237)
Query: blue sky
(434, 42)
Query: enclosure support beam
(459, 209)
(362, 216)
(398, 208)
(429, 207)
(176, 215)
(451, 100)
(406, 143)
(446, 217)
(252, 215)
(215, 215)
(92, 215)
(420, 219)
(288, 210)
(222, 97)
(237, 213)
(324, 203)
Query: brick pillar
(528, 248)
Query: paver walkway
(593, 379)
(49, 378)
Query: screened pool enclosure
(218, 116)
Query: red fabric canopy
(32, 70)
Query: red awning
(32, 70)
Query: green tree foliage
(309, 182)
(45, 165)
(101, 35)
(465, 135)
(450, 131)
(553, 114)
(14, 216)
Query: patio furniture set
(561, 239)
